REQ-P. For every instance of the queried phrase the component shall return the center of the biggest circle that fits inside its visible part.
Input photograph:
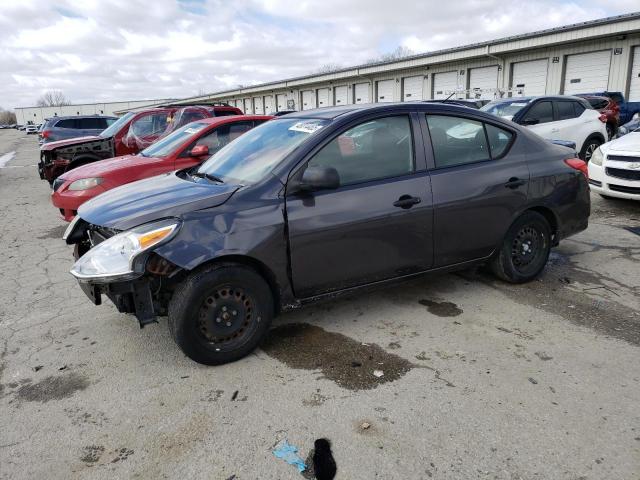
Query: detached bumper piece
(128, 297)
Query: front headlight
(597, 157)
(85, 183)
(114, 259)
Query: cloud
(132, 49)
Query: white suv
(614, 169)
(567, 118)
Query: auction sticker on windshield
(305, 127)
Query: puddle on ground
(348, 363)
(441, 309)
(52, 388)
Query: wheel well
(596, 136)
(549, 216)
(256, 265)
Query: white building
(587, 57)
(38, 114)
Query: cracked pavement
(480, 379)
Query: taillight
(603, 118)
(45, 133)
(578, 164)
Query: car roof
(538, 97)
(93, 115)
(231, 119)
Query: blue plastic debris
(289, 454)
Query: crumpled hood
(70, 141)
(152, 199)
(629, 142)
(108, 166)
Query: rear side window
(499, 140)
(457, 141)
(541, 112)
(375, 149)
(565, 110)
(67, 123)
(92, 123)
(579, 108)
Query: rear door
(479, 181)
(377, 224)
(568, 124)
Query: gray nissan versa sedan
(323, 202)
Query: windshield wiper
(208, 176)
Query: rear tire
(525, 249)
(588, 148)
(220, 314)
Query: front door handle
(514, 182)
(406, 201)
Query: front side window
(149, 125)
(117, 125)
(376, 149)
(457, 140)
(541, 112)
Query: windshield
(114, 127)
(249, 158)
(168, 144)
(505, 109)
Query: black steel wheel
(220, 313)
(525, 249)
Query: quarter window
(541, 112)
(457, 141)
(499, 140)
(376, 149)
(578, 108)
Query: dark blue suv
(61, 128)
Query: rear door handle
(406, 201)
(515, 182)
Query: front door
(479, 182)
(377, 224)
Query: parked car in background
(556, 118)
(186, 147)
(320, 203)
(607, 107)
(627, 109)
(614, 169)
(130, 134)
(630, 126)
(61, 128)
(31, 129)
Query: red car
(128, 135)
(186, 147)
(609, 109)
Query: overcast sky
(104, 50)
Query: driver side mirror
(530, 121)
(199, 151)
(318, 178)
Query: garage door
(361, 93)
(323, 97)
(248, 107)
(634, 86)
(412, 88)
(444, 84)
(483, 82)
(341, 95)
(268, 104)
(384, 89)
(530, 78)
(587, 72)
(258, 106)
(281, 101)
(308, 100)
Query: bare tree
(53, 98)
(399, 53)
(7, 117)
(328, 68)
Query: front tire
(220, 313)
(525, 249)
